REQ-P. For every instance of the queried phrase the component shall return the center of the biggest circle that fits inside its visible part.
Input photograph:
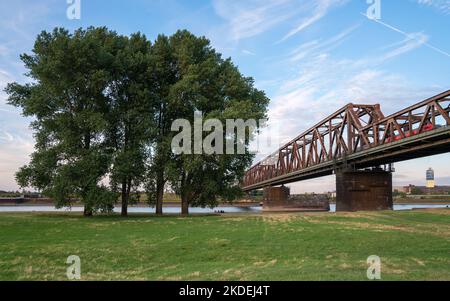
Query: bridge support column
(275, 197)
(278, 199)
(363, 190)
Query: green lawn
(412, 245)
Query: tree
(416, 191)
(165, 78)
(66, 98)
(196, 78)
(131, 115)
(103, 106)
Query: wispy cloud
(247, 19)
(318, 45)
(320, 9)
(413, 41)
(19, 17)
(5, 78)
(16, 141)
(248, 52)
(14, 152)
(441, 5)
(412, 38)
(250, 18)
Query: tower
(430, 178)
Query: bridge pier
(364, 190)
(279, 199)
(275, 197)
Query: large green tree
(164, 77)
(70, 74)
(193, 77)
(131, 116)
(103, 107)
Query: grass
(413, 245)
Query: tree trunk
(87, 144)
(184, 205)
(124, 198)
(87, 211)
(159, 193)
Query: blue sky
(311, 58)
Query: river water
(226, 209)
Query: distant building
(412, 189)
(332, 194)
(430, 178)
(399, 188)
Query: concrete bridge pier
(275, 197)
(364, 190)
(279, 199)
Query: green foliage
(101, 199)
(103, 105)
(131, 114)
(416, 191)
(200, 80)
(70, 74)
(399, 194)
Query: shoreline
(175, 204)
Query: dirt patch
(442, 231)
(194, 274)
(264, 264)
(278, 218)
(218, 242)
(438, 211)
(419, 262)
(232, 219)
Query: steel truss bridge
(359, 136)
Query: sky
(311, 57)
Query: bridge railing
(351, 129)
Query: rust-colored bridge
(356, 137)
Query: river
(226, 209)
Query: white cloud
(413, 41)
(320, 9)
(413, 38)
(441, 5)
(5, 78)
(250, 18)
(317, 93)
(19, 17)
(317, 45)
(16, 141)
(14, 153)
(248, 52)
(247, 19)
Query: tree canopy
(103, 106)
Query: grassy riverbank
(322, 246)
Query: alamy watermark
(374, 270)
(74, 269)
(73, 11)
(374, 9)
(217, 137)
